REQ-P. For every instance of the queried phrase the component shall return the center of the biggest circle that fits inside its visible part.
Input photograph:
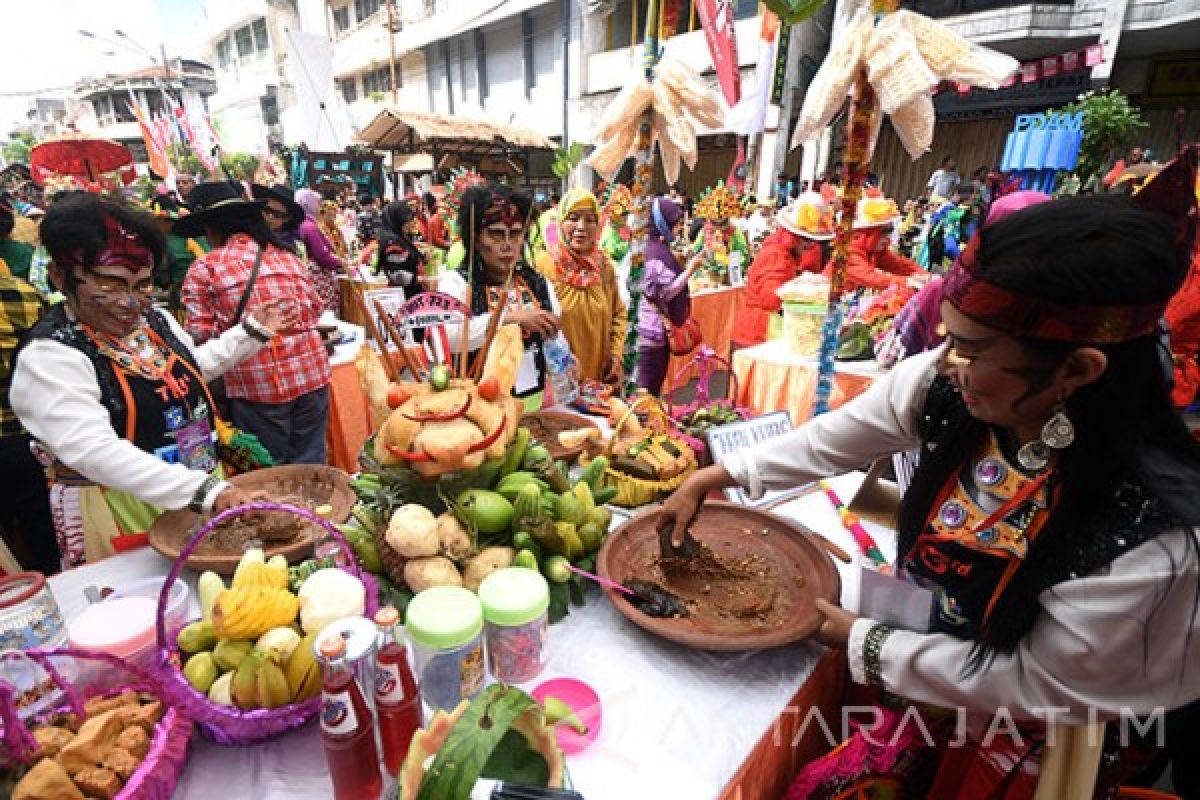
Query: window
(349, 89)
(224, 57)
(341, 18)
(365, 8)
(377, 80)
(102, 107)
(261, 42)
(245, 42)
(627, 24)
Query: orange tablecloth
(771, 378)
(713, 310)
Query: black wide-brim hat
(210, 201)
(282, 194)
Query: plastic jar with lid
(515, 601)
(445, 626)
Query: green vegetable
(593, 472)
(556, 569)
(569, 509)
(539, 462)
(604, 494)
(516, 452)
(535, 454)
(366, 518)
(364, 546)
(592, 536)
(298, 574)
(439, 377)
(526, 559)
(483, 510)
(523, 540)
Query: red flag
(1029, 72)
(1070, 61)
(1093, 55)
(156, 146)
(1049, 66)
(717, 19)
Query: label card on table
(753, 432)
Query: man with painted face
(114, 390)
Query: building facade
(255, 102)
(102, 105)
(1151, 52)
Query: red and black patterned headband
(121, 249)
(1171, 192)
(502, 212)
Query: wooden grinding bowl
(316, 484)
(545, 426)
(797, 570)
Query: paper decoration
(1093, 55)
(1029, 72)
(1049, 66)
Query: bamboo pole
(394, 335)
(369, 323)
(464, 339)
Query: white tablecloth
(677, 723)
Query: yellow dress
(594, 316)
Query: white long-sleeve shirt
(56, 395)
(1124, 639)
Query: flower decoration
(720, 203)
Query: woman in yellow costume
(594, 317)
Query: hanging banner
(779, 79)
(716, 16)
(1029, 72)
(1049, 66)
(156, 145)
(1093, 55)
(1071, 61)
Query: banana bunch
(256, 601)
(254, 570)
(280, 668)
(680, 103)
(248, 612)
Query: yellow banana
(247, 612)
(272, 686)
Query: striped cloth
(20, 308)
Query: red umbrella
(82, 157)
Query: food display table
(713, 310)
(772, 378)
(677, 722)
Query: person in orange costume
(793, 248)
(1183, 321)
(870, 261)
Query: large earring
(1057, 434)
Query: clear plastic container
(177, 598)
(445, 626)
(563, 370)
(802, 327)
(29, 615)
(123, 627)
(515, 601)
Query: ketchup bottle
(397, 700)
(347, 729)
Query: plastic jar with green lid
(515, 601)
(445, 626)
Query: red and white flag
(716, 17)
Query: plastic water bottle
(563, 370)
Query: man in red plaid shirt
(281, 394)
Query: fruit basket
(76, 723)
(695, 418)
(230, 724)
(639, 489)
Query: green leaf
(793, 11)
(560, 598)
(512, 761)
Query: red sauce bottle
(347, 729)
(397, 700)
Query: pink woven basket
(228, 724)
(159, 772)
(705, 363)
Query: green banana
(604, 494)
(559, 713)
(516, 452)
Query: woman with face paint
(1055, 508)
(493, 221)
(114, 391)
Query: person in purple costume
(664, 288)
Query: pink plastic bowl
(583, 701)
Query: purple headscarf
(309, 200)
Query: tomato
(396, 395)
(489, 389)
